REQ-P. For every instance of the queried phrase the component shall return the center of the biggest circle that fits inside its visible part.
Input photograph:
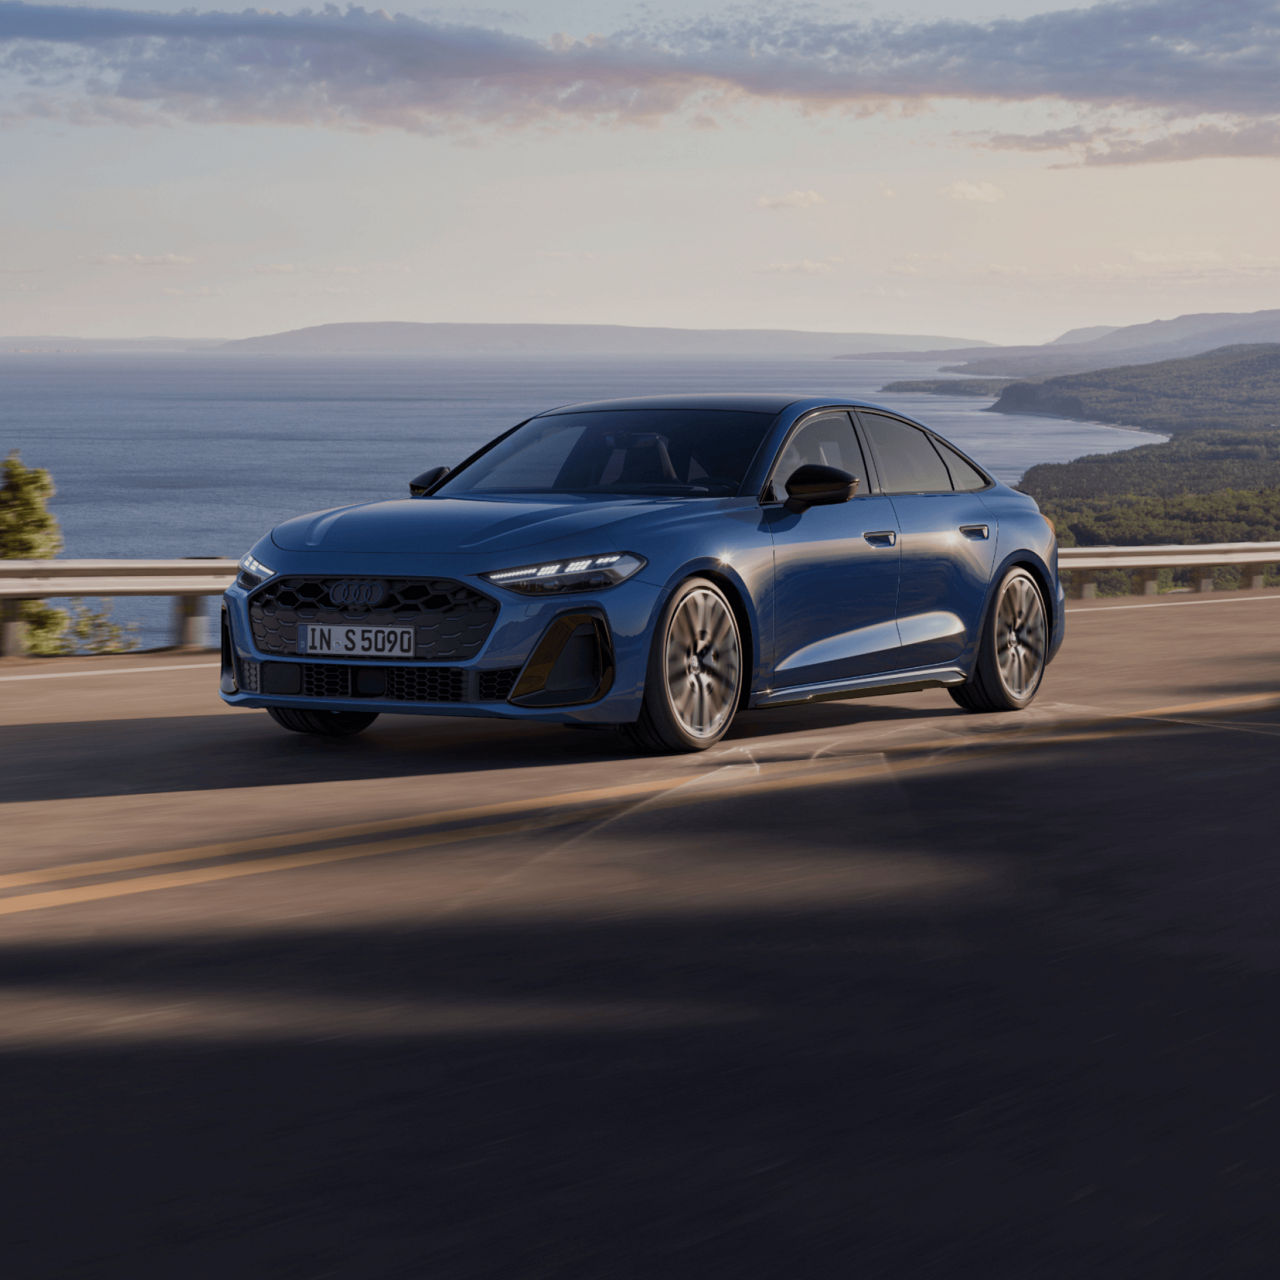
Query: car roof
(740, 402)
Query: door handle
(882, 538)
(978, 532)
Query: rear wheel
(695, 673)
(327, 724)
(1012, 651)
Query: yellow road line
(526, 816)
(254, 844)
(259, 866)
(1207, 704)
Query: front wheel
(694, 679)
(1013, 649)
(326, 724)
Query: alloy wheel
(1021, 633)
(703, 663)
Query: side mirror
(816, 486)
(421, 485)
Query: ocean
(198, 455)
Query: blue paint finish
(884, 590)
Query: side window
(964, 475)
(828, 440)
(905, 456)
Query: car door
(835, 567)
(947, 539)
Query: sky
(998, 169)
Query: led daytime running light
(581, 573)
(255, 567)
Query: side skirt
(861, 686)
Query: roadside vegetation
(29, 531)
(1231, 388)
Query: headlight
(583, 573)
(253, 571)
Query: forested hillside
(1197, 462)
(1233, 387)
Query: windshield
(692, 453)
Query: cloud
(978, 192)
(802, 267)
(142, 260)
(792, 200)
(1204, 73)
(1150, 144)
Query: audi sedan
(655, 564)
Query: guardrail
(1253, 558)
(188, 582)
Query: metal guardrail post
(1205, 580)
(188, 621)
(1151, 582)
(1256, 574)
(13, 631)
(1088, 585)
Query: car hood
(442, 525)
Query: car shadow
(198, 753)
(1062, 1067)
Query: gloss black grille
(426, 684)
(325, 682)
(496, 686)
(452, 620)
(391, 684)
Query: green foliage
(1233, 388)
(1197, 462)
(29, 531)
(1135, 520)
(46, 628)
(92, 631)
(983, 388)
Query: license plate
(357, 642)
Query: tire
(1011, 651)
(694, 680)
(325, 724)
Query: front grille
(325, 682)
(249, 675)
(390, 684)
(426, 684)
(452, 620)
(496, 686)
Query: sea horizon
(198, 454)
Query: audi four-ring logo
(357, 591)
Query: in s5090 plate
(356, 642)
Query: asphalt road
(874, 988)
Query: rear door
(836, 567)
(947, 539)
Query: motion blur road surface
(874, 988)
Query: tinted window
(964, 475)
(695, 453)
(905, 456)
(827, 440)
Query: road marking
(523, 816)
(1083, 611)
(1209, 704)
(112, 671)
(259, 866)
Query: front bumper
(577, 657)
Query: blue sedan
(655, 564)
